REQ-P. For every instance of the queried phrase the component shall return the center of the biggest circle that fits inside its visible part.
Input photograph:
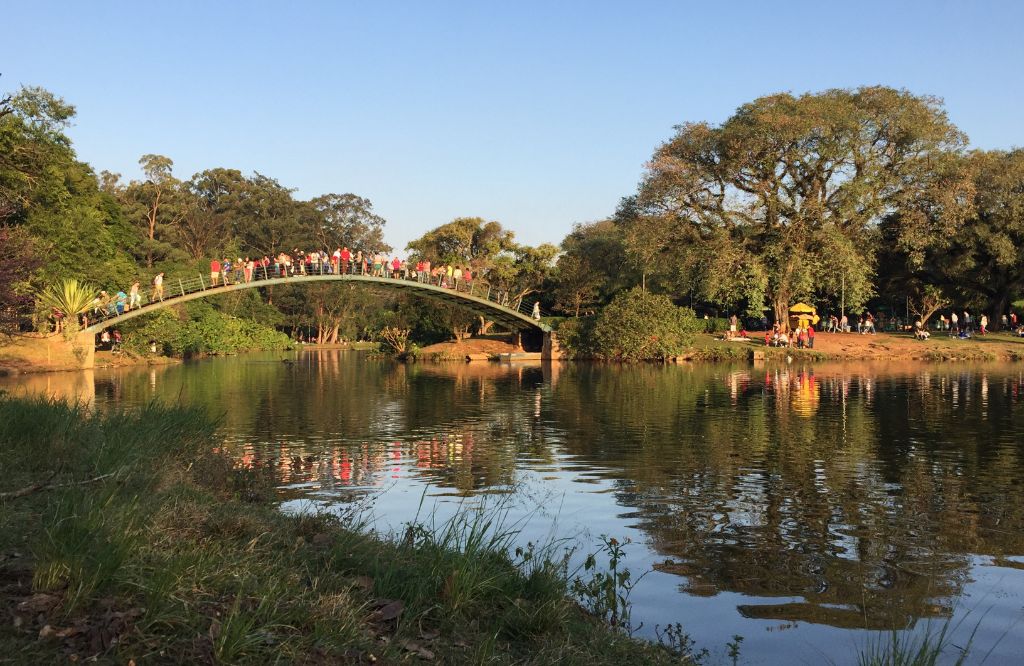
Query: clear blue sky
(538, 115)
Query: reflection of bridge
(481, 299)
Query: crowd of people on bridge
(342, 261)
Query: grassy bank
(128, 537)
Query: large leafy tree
(591, 268)
(217, 201)
(32, 146)
(782, 200)
(465, 241)
(522, 270)
(18, 261)
(346, 220)
(155, 206)
(985, 257)
(270, 218)
(76, 229)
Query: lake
(809, 509)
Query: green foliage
(782, 198)
(202, 331)
(463, 241)
(347, 220)
(17, 263)
(639, 325)
(716, 324)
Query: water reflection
(813, 499)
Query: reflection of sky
(680, 461)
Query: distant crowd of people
(340, 262)
(800, 334)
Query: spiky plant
(70, 297)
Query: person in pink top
(396, 267)
(346, 257)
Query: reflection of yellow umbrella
(802, 314)
(806, 396)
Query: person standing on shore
(954, 324)
(983, 323)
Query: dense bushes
(716, 325)
(204, 331)
(635, 326)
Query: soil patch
(490, 346)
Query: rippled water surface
(804, 508)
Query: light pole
(842, 296)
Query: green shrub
(577, 336)
(639, 326)
(716, 325)
(200, 330)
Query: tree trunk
(152, 228)
(999, 305)
(485, 325)
(781, 307)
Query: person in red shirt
(346, 257)
(810, 336)
(214, 272)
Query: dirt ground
(471, 346)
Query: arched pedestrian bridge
(480, 299)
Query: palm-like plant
(70, 297)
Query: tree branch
(46, 485)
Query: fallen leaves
(417, 648)
(387, 610)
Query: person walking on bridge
(158, 287)
(134, 299)
(214, 272)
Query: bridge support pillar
(551, 351)
(83, 348)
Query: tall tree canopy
(985, 257)
(347, 220)
(466, 241)
(782, 200)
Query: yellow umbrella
(802, 314)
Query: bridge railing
(176, 287)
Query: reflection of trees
(329, 424)
(868, 511)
